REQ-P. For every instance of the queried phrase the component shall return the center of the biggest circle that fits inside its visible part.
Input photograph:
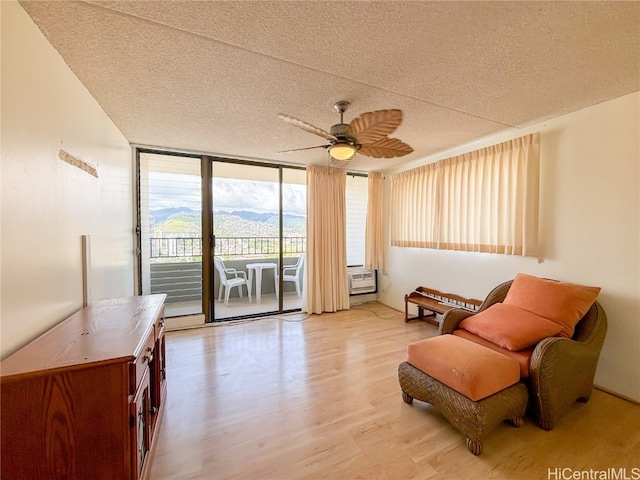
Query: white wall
(590, 230)
(47, 205)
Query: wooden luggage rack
(430, 302)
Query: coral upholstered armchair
(555, 330)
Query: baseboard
(180, 323)
(362, 298)
(616, 394)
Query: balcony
(176, 270)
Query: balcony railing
(180, 247)
(228, 247)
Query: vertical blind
(356, 213)
(481, 201)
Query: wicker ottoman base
(473, 419)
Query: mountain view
(186, 222)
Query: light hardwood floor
(318, 397)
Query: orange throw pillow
(561, 302)
(510, 327)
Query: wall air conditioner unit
(362, 281)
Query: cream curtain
(415, 207)
(374, 244)
(482, 201)
(326, 270)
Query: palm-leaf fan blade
(307, 127)
(373, 126)
(386, 148)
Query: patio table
(258, 268)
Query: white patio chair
(293, 274)
(229, 278)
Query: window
(482, 201)
(356, 194)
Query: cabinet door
(158, 379)
(71, 424)
(140, 426)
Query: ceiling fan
(366, 134)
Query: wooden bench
(430, 302)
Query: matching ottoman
(474, 387)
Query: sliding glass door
(259, 231)
(221, 238)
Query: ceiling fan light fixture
(367, 134)
(342, 151)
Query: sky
(181, 190)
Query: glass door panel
(171, 231)
(294, 236)
(246, 228)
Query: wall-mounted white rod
(86, 270)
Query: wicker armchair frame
(561, 369)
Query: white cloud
(179, 190)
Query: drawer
(141, 365)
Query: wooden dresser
(83, 400)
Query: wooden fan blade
(306, 148)
(307, 127)
(386, 148)
(373, 126)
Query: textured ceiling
(211, 76)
